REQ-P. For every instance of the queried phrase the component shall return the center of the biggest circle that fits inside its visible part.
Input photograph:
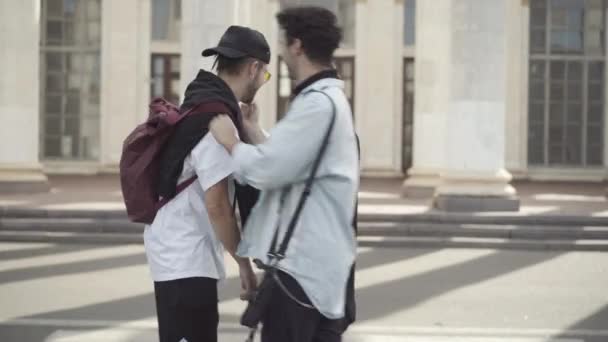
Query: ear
(253, 69)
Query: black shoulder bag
(258, 306)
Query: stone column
(473, 175)
(125, 73)
(378, 64)
(432, 69)
(20, 169)
(517, 88)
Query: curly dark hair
(315, 27)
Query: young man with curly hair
(308, 304)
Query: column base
(420, 184)
(468, 203)
(476, 191)
(23, 181)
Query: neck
(308, 69)
(234, 85)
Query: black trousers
(287, 320)
(187, 309)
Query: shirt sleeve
(288, 153)
(211, 161)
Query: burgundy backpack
(139, 163)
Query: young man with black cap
(308, 302)
(185, 244)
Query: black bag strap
(280, 254)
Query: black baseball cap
(239, 41)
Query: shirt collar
(330, 73)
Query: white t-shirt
(181, 242)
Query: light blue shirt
(323, 247)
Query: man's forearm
(225, 227)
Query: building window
(70, 79)
(166, 20)
(409, 22)
(566, 83)
(344, 10)
(165, 77)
